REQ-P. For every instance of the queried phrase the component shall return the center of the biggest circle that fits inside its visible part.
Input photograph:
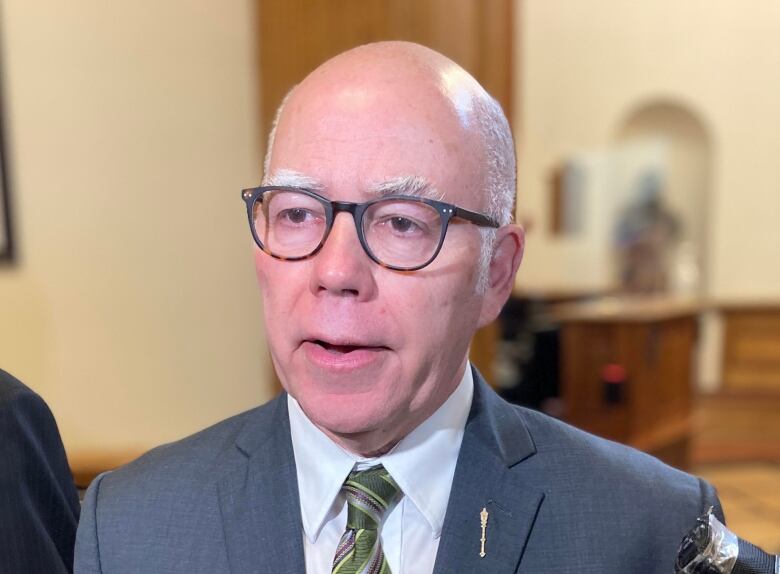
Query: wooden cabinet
(627, 372)
(751, 351)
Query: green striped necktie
(369, 494)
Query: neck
(377, 442)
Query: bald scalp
(416, 73)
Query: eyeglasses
(399, 232)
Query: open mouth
(344, 349)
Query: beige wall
(585, 66)
(132, 127)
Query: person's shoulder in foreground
(559, 499)
(39, 505)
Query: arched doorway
(677, 140)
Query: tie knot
(369, 494)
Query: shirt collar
(422, 463)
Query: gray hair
(500, 176)
(272, 136)
(500, 171)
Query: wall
(133, 307)
(584, 66)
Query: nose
(342, 268)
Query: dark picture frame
(6, 227)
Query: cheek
(277, 282)
(456, 310)
(454, 293)
(440, 310)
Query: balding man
(383, 241)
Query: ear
(507, 255)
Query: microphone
(711, 548)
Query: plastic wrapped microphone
(711, 548)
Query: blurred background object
(646, 235)
(646, 137)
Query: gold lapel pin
(483, 516)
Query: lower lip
(359, 358)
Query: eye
(292, 210)
(403, 224)
(396, 219)
(296, 215)
(399, 226)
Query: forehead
(351, 136)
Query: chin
(343, 417)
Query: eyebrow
(292, 178)
(413, 185)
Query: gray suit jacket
(559, 501)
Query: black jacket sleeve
(39, 505)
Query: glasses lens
(402, 232)
(289, 223)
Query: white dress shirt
(423, 465)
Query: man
(389, 453)
(39, 506)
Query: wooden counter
(627, 371)
(751, 345)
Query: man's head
(370, 352)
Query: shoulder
(576, 463)
(192, 462)
(576, 454)
(168, 501)
(20, 408)
(631, 505)
(567, 456)
(12, 391)
(612, 505)
(37, 495)
(598, 481)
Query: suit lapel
(488, 475)
(258, 498)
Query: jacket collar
(261, 514)
(489, 477)
(258, 497)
